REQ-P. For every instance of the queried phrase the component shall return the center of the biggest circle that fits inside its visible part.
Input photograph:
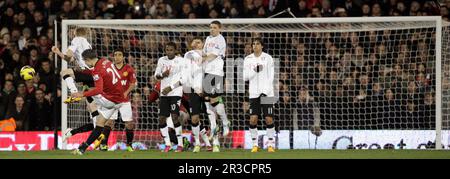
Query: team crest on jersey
(104, 63)
(125, 74)
(95, 77)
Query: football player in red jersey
(108, 93)
(128, 83)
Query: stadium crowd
(357, 80)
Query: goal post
(377, 80)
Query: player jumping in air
(213, 55)
(77, 46)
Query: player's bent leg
(220, 108)
(84, 128)
(129, 131)
(69, 77)
(270, 130)
(67, 134)
(164, 132)
(109, 125)
(254, 132)
(212, 116)
(178, 131)
(108, 113)
(94, 134)
(204, 135)
(126, 113)
(196, 131)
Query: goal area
(366, 83)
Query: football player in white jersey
(259, 71)
(77, 46)
(191, 80)
(74, 53)
(213, 62)
(169, 71)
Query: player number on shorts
(173, 106)
(270, 110)
(114, 74)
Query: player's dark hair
(258, 39)
(118, 50)
(89, 54)
(217, 23)
(197, 38)
(42, 60)
(172, 44)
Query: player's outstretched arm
(98, 89)
(68, 56)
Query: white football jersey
(262, 82)
(175, 65)
(78, 46)
(193, 72)
(217, 46)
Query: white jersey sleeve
(78, 45)
(159, 67)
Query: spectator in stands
(47, 76)
(22, 91)
(376, 10)
(7, 18)
(300, 9)
(185, 11)
(30, 86)
(40, 112)
(428, 110)
(305, 108)
(67, 11)
(284, 109)
(8, 95)
(20, 113)
(391, 111)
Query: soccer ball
(27, 72)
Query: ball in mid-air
(27, 72)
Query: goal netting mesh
(364, 84)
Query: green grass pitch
(236, 154)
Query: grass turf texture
(236, 154)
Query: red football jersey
(128, 76)
(107, 82)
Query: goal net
(364, 82)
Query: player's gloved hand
(258, 68)
(316, 130)
(166, 90)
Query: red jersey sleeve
(131, 75)
(98, 89)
